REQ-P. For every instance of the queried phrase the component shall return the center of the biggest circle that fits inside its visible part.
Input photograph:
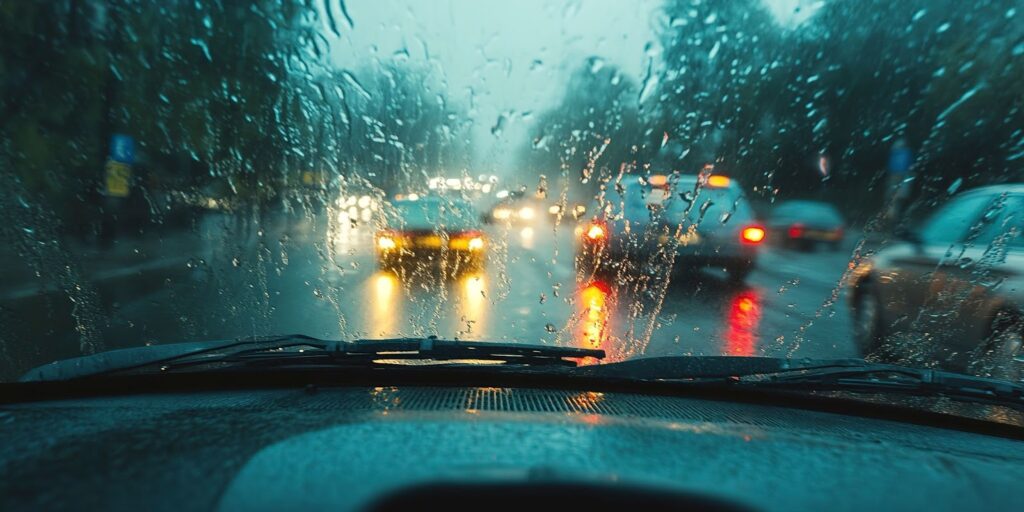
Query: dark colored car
(956, 282)
(806, 224)
(516, 209)
(705, 220)
(434, 231)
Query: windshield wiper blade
(209, 352)
(885, 378)
(845, 375)
(274, 352)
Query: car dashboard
(388, 448)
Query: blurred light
(366, 215)
(413, 197)
(502, 213)
(473, 306)
(454, 183)
(502, 194)
(526, 236)
(399, 197)
(386, 243)
(482, 178)
(752, 234)
(494, 179)
(554, 209)
(385, 305)
(434, 183)
(476, 243)
(353, 212)
(579, 210)
(486, 189)
(741, 323)
(796, 231)
(595, 232)
(384, 285)
(594, 315)
(526, 212)
(343, 218)
(658, 180)
(718, 181)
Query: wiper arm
(251, 344)
(884, 378)
(850, 375)
(273, 352)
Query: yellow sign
(312, 178)
(118, 179)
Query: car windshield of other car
(810, 180)
(431, 214)
(807, 211)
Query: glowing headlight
(386, 243)
(476, 243)
(526, 213)
(502, 213)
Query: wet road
(297, 275)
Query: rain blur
(791, 178)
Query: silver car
(951, 291)
(706, 220)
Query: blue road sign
(122, 148)
(899, 160)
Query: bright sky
(507, 55)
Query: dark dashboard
(352, 448)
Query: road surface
(296, 274)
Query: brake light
(595, 232)
(658, 181)
(718, 181)
(752, 235)
(796, 231)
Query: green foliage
(765, 102)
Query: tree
(591, 135)
(201, 87)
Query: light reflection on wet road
(298, 277)
(529, 293)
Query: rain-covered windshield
(788, 178)
(431, 214)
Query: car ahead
(705, 220)
(958, 279)
(806, 224)
(434, 232)
(516, 209)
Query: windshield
(785, 178)
(432, 214)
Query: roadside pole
(898, 181)
(117, 184)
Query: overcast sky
(507, 55)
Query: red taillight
(595, 232)
(796, 231)
(752, 235)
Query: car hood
(340, 448)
